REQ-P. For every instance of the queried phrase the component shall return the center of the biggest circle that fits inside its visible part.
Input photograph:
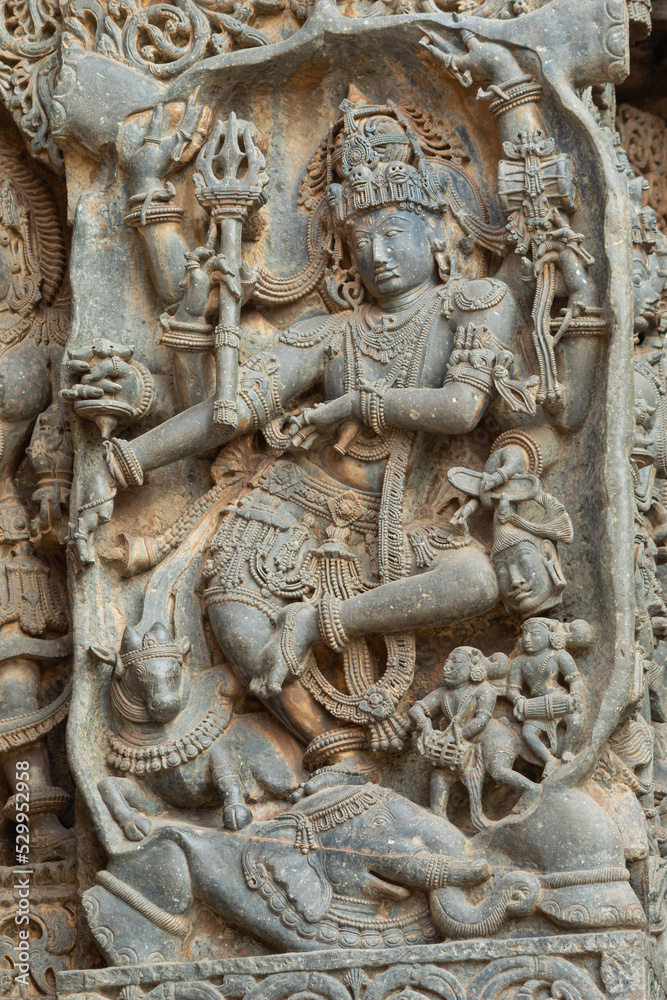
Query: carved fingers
(502, 465)
(96, 508)
(192, 131)
(449, 56)
(470, 58)
(305, 428)
(165, 147)
(111, 385)
(472, 347)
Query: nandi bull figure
(174, 740)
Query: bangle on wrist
(154, 208)
(478, 378)
(371, 403)
(331, 627)
(512, 94)
(123, 464)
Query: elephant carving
(343, 867)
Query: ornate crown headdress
(376, 156)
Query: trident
(229, 185)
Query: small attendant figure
(543, 661)
(473, 743)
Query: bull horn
(131, 640)
(103, 654)
(119, 669)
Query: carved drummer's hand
(164, 147)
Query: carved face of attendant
(535, 638)
(456, 670)
(392, 250)
(529, 577)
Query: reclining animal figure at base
(173, 739)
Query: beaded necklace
(384, 340)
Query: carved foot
(137, 827)
(236, 816)
(528, 798)
(327, 779)
(550, 765)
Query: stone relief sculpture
(351, 454)
(35, 626)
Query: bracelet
(185, 335)
(227, 336)
(437, 873)
(476, 377)
(332, 744)
(371, 400)
(145, 211)
(153, 214)
(92, 504)
(524, 441)
(148, 393)
(507, 96)
(331, 627)
(123, 464)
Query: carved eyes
(389, 234)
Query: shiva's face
(392, 250)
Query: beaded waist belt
(342, 506)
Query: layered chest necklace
(384, 340)
(403, 342)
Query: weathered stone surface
(340, 408)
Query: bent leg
(532, 736)
(461, 584)
(499, 767)
(124, 798)
(242, 633)
(574, 725)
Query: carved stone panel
(334, 451)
